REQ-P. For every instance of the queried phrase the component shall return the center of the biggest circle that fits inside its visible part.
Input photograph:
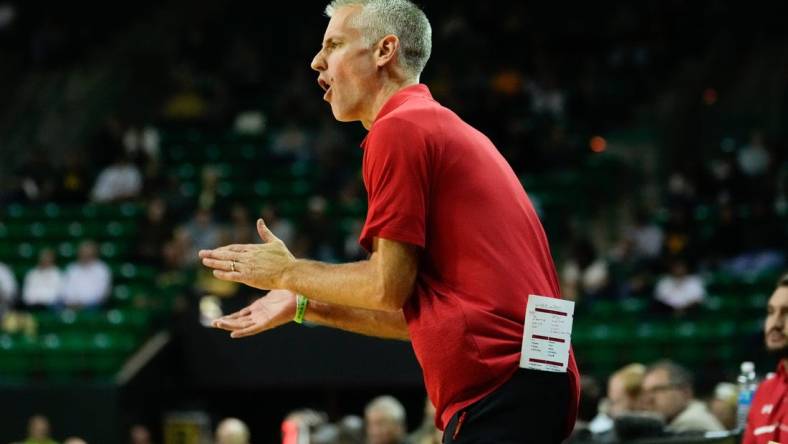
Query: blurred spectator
(726, 240)
(679, 291)
(87, 281)
(178, 252)
(8, 286)
(679, 239)
(754, 159)
(74, 440)
(203, 231)
(36, 178)
(588, 409)
(318, 227)
(352, 250)
(139, 434)
(74, 181)
(155, 231)
(242, 228)
(142, 144)
(546, 98)
(624, 390)
(327, 433)
(187, 103)
(427, 433)
(385, 420)
(647, 237)
(724, 181)
(351, 430)
(585, 274)
(290, 144)
(209, 183)
(44, 283)
(723, 404)
(120, 181)
(632, 274)
(680, 190)
(298, 425)
(38, 431)
(232, 431)
(668, 391)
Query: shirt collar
(398, 98)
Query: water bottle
(747, 383)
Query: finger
(238, 248)
(265, 234)
(234, 324)
(223, 265)
(238, 314)
(218, 322)
(248, 331)
(233, 276)
(220, 254)
(226, 324)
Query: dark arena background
(651, 136)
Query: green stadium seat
(63, 354)
(634, 306)
(651, 332)
(7, 251)
(643, 353)
(129, 320)
(16, 356)
(108, 351)
(604, 309)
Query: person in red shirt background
(768, 417)
(456, 247)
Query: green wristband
(301, 303)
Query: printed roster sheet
(547, 334)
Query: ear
(386, 49)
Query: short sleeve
(396, 172)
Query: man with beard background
(768, 418)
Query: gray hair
(402, 18)
(389, 405)
(677, 375)
(232, 431)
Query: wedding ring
(232, 266)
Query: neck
(383, 96)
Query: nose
(319, 62)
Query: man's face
(381, 429)
(87, 252)
(661, 396)
(776, 325)
(347, 66)
(38, 428)
(620, 401)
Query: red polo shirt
(768, 418)
(436, 182)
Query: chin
(341, 116)
(780, 351)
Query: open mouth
(325, 86)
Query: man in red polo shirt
(456, 246)
(768, 417)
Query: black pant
(531, 408)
